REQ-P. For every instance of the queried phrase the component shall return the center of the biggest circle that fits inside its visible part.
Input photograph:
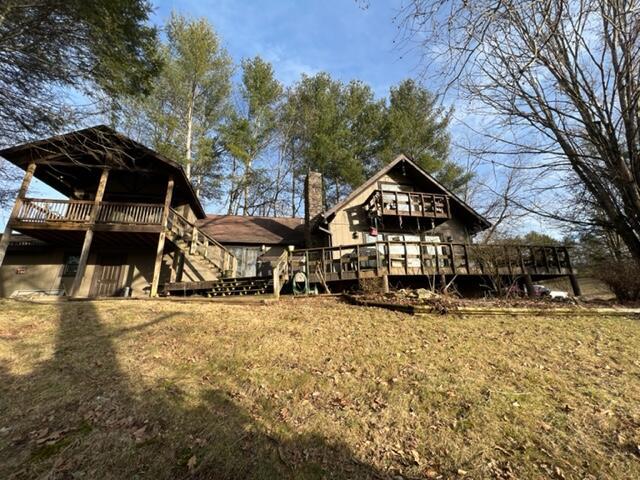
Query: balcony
(408, 204)
(36, 213)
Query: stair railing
(280, 272)
(202, 243)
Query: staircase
(222, 287)
(203, 257)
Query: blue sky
(307, 36)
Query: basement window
(70, 265)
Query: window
(70, 265)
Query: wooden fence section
(420, 258)
(46, 211)
(408, 204)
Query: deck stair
(221, 288)
(204, 253)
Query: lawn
(313, 388)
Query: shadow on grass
(78, 416)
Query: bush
(622, 277)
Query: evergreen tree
(418, 127)
(333, 129)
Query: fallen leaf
(191, 463)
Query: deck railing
(422, 258)
(43, 211)
(408, 204)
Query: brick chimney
(313, 204)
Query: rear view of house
(131, 224)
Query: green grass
(313, 389)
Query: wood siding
(350, 223)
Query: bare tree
(562, 76)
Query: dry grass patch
(313, 389)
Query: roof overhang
(73, 161)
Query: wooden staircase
(221, 288)
(211, 260)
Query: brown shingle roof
(236, 229)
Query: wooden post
(174, 266)
(88, 236)
(557, 259)
(453, 259)
(194, 241)
(161, 238)
(180, 266)
(276, 280)
(577, 291)
(406, 258)
(385, 283)
(443, 283)
(6, 236)
(466, 260)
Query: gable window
(70, 267)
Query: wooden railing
(78, 213)
(43, 211)
(408, 204)
(421, 258)
(137, 213)
(199, 242)
(280, 272)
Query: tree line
(247, 144)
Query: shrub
(622, 277)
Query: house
(131, 224)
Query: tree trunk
(245, 188)
(189, 138)
(232, 188)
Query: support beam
(88, 236)
(385, 283)
(160, 250)
(174, 266)
(443, 283)
(6, 236)
(577, 291)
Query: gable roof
(483, 223)
(238, 229)
(97, 146)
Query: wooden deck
(408, 204)
(38, 213)
(368, 260)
